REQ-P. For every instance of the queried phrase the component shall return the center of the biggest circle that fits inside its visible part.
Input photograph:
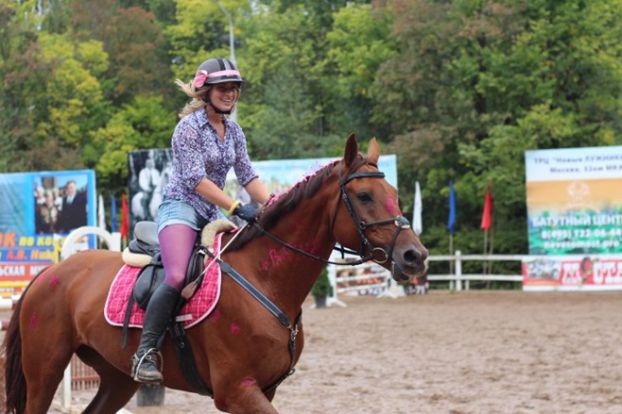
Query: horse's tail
(15, 381)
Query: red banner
(595, 272)
(20, 271)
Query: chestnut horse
(281, 255)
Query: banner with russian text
(574, 206)
(38, 210)
(574, 201)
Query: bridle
(367, 251)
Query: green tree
(358, 44)
(75, 103)
(144, 123)
(475, 81)
(281, 108)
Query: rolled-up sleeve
(243, 168)
(186, 143)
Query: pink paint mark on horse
(45, 273)
(282, 255)
(248, 382)
(392, 206)
(275, 257)
(33, 321)
(234, 328)
(54, 281)
(215, 316)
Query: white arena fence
(371, 279)
(459, 280)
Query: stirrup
(152, 355)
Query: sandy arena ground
(470, 352)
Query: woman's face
(224, 96)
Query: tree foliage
(458, 89)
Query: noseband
(368, 251)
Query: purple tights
(176, 244)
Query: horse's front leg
(244, 399)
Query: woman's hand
(247, 212)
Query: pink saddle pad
(193, 312)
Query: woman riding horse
(206, 144)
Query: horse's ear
(373, 152)
(352, 150)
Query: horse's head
(371, 222)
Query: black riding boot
(157, 316)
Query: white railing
(369, 278)
(457, 277)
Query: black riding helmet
(216, 70)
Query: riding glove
(247, 212)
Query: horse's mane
(288, 201)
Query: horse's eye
(364, 197)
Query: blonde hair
(197, 96)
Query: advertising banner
(574, 201)
(280, 175)
(38, 210)
(150, 170)
(595, 272)
(574, 206)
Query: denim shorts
(179, 212)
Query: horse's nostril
(411, 256)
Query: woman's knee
(174, 280)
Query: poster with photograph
(39, 210)
(149, 173)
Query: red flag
(125, 217)
(487, 213)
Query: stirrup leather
(152, 355)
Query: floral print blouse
(199, 153)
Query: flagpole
(451, 223)
(490, 251)
(451, 253)
(485, 250)
(486, 225)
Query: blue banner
(38, 209)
